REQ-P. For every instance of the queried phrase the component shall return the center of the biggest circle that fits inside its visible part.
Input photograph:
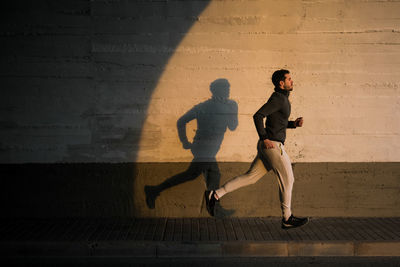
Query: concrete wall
(101, 81)
(69, 94)
(344, 57)
(106, 82)
(115, 190)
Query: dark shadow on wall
(214, 116)
(60, 190)
(88, 70)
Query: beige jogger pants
(274, 159)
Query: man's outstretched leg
(256, 171)
(273, 158)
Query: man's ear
(281, 83)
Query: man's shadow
(213, 117)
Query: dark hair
(278, 76)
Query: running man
(271, 151)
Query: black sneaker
(293, 222)
(210, 201)
(151, 194)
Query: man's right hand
(268, 144)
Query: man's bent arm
(268, 108)
(181, 125)
(291, 124)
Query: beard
(288, 88)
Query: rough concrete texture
(107, 81)
(117, 190)
(343, 57)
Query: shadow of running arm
(181, 124)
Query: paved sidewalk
(198, 237)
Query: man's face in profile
(287, 84)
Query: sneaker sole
(289, 226)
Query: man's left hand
(299, 122)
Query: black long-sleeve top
(277, 110)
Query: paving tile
(238, 229)
(230, 232)
(178, 228)
(179, 237)
(195, 229)
(255, 230)
(200, 229)
(135, 228)
(268, 226)
(169, 230)
(68, 227)
(246, 229)
(264, 230)
(342, 229)
(87, 231)
(384, 228)
(151, 230)
(186, 230)
(204, 236)
(221, 233)
(212, 229)
(160, 229)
